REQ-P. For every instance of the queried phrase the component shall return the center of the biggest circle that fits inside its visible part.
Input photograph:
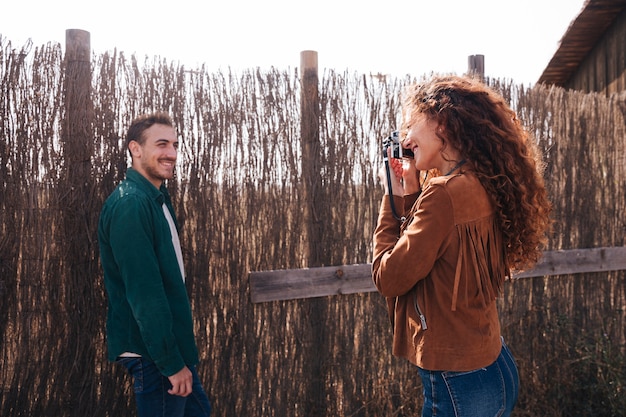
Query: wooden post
(313, 347)
(77, 129)
(476, 66)
(311, 156)
(80, 212)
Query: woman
(482, 212)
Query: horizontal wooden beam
(289, 284)
(578, 261)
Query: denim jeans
(151, 394)
(484, 392)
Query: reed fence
(238, 194)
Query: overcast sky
(398, 37)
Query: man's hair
(143, 122)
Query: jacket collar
(161, 194)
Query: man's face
(156, 158)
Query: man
(149, 323)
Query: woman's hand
(396, 173)
(411, 178)
(405, 178)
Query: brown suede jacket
(441, 272)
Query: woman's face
(425, 144)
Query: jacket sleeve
(132, 239)
(401, 259)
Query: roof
(581, 36)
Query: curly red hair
(477, 121)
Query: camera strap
(390, 191)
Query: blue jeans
(151, 394)
(484, 392)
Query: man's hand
(181, 382)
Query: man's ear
(135, 148)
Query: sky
(395, 37)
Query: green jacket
(148, 307)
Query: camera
(397, 151)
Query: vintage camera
(397, 151)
